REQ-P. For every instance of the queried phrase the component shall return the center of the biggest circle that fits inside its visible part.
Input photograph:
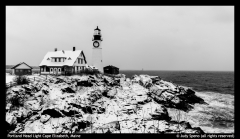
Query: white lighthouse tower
(97, 50)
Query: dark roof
(20, 64)
(97, 29)
(111, 66)
(84, 57)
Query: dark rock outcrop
(53, 113)
(67, 89)
(174, 96)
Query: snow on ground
(9, 78)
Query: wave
(217, 116)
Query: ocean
(214, 81)
(216, 88)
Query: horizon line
(175, 70)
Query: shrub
(19, 80)
(16, 101)
(111, 75)
(88, 72)
(6, 87)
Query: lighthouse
(97, 50)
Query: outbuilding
(111, 70)
(22, 69)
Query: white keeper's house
(63, 62)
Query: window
(69, 58)
(55, 59)
(51, 69)
(59, 69)
(16, 70)
(21, 70)
(29, 70)
(59, 59)
(48, 59)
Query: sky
(134, 37)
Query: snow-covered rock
(99, 104)
(11, 119)
(45, 118)
(33, 105)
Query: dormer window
(69, 58)
(48, 59)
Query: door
(55, 71)
(59, 70)
(51, 70)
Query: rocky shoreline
(99, 104)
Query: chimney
(55, 49)
(73, 48)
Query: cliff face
(99, 104)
